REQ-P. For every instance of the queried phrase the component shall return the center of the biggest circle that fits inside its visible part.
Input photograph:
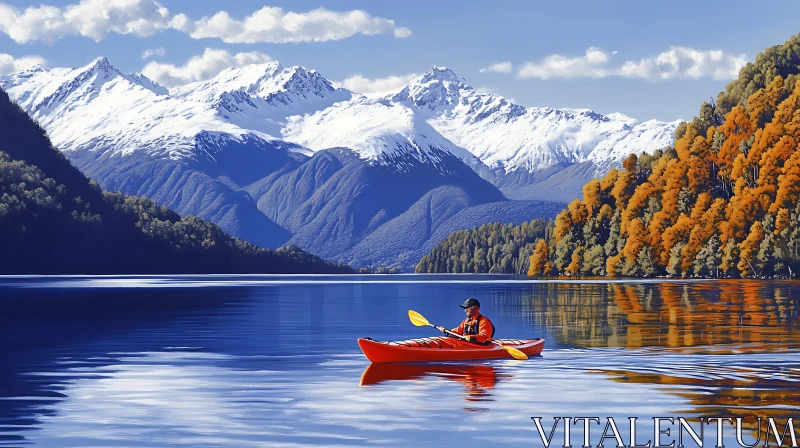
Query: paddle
(420, 321)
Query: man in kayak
(476, 328)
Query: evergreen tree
(593, 262)
(674, 266)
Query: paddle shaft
(446, 331)
(420, 321)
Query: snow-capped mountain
(98, 108)
(377, 130)
(509, 137)
(275, 154)
(263, 96)
(506, 143)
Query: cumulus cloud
(272, 24)
(97, 18)
(378, 86)
(682, 62)
(10, 64)
(675, 63)
(500, 67)
(157, 52)
(591, 64)
(89, 18)
(202, 67)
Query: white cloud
(9, 64)
(682, 62)
(500, 67)
(97, 18)
(157, 52)
(272, 24)
(676, 63)
(378, 86)
(591, 65)
(89, 18)
(202, 67)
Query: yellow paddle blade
(513, 352)
(418, 319)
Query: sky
(647, 60)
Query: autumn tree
(540, 257)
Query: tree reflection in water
(755, 316)
(729, 317)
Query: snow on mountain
(226, 150)
(271, 81)
(440, 110)
(509, 137)
(97, 107)
(376, 130)
(438, 88)
(263, 96)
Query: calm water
(272, 361)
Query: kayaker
(477, 328)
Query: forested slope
(55, 221)
(721, 202)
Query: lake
(243, 361)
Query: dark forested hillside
(492, 248)
(54, 220)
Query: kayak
(443, 349)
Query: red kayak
(443, 349)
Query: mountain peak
(441, 74)
(99, 69)
(438, 87)
(101, 64)
(260, 80)
(258, 70)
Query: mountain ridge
(229, 149)
(54, 220)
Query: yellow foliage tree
(540, 257)
(788, 184)
(592, 197)
(635, 241)
(703, 204)
(574, 267)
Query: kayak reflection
(476, 379)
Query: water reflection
(749, 390)
(477, 380)
(277, 364)
(754, 315)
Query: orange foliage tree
(724, 199)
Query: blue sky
(559, 54)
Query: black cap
(472, 301)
